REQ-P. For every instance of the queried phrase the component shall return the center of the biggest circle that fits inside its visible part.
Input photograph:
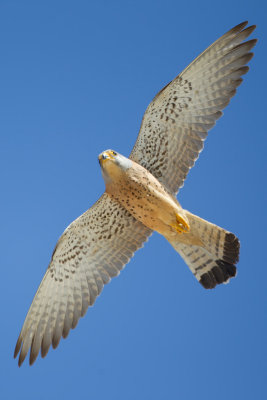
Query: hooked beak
(106, 155)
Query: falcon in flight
(140, 198)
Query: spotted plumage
(140, 198)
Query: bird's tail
(210, 251)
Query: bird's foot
(182, 225)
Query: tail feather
(212, 262)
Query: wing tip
(240, 27)
(237, 28)
(243, 27)
(18, 346)
(251, 28)
(33, 357)
(22, 357)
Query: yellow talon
(182, 225)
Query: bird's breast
(146, 199)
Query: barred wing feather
(92, 250)
(177, 121)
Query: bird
(140, 198)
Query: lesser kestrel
(140, 198)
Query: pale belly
(149, 203)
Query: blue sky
(75, 79)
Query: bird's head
(113, 164)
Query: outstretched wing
(93, 249)
(176, 122)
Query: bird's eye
(114, 153)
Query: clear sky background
(75, 79)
